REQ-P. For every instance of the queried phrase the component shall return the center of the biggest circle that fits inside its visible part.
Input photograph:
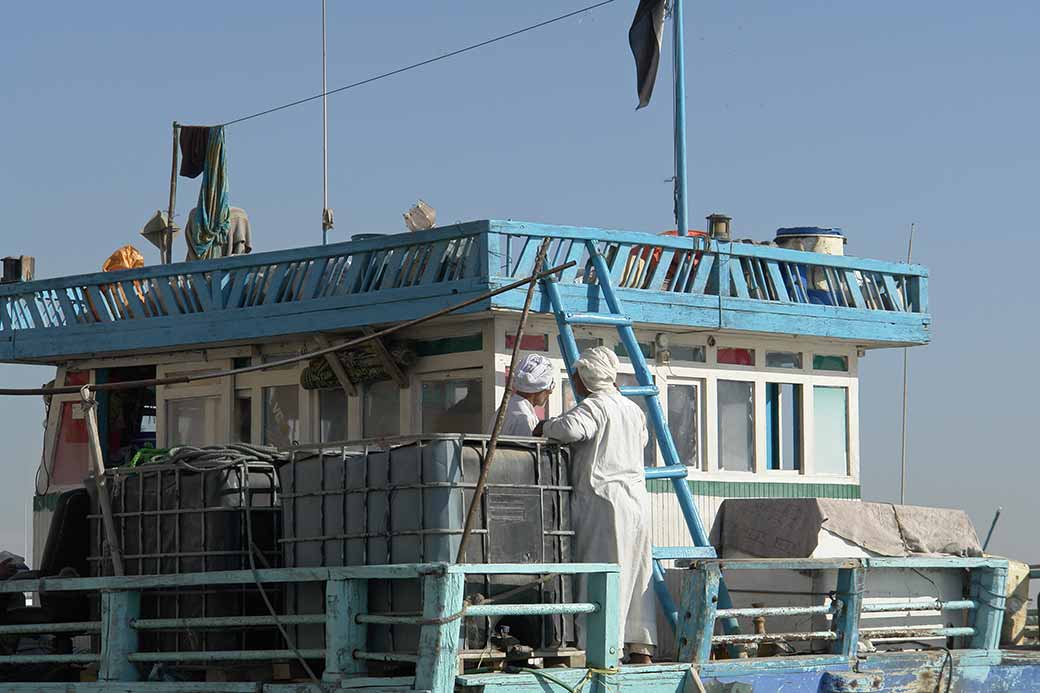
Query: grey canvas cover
(789, 527)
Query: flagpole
(679, 70)
(326, 215)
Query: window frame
(699, 386)
(802, 414)
(474, 373)
(850, 464)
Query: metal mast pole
(326, 213)
(906, 393)
(166, 245)
(679, 71)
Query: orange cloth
(127, 257)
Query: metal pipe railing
(226, 622)
(779, 611)
(751, 638)
(931, 605)
(344, 620)
(48, 628)
(984, 578)
(912, 632)
(225, 656)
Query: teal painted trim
(823, 362)
(760, 489)
(450, 345)
(46, 503)
(773, 426)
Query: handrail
(345, 619)
(985, 579)
(232, 262)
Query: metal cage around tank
(174, 519)
(404, 500)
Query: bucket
(812, 239)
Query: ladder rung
(639, 390)
(597, 319)
(674, 471)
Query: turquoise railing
(661, 279)
(985, 586)
(696, 266)
(346, 618)
(292, 277)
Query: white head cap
(534, 373)
(598, 368)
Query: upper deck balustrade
(663, 280)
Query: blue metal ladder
(673, 468)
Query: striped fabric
(213, 211)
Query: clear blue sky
(861, 115)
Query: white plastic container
(812, 239)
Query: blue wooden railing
(684, 281)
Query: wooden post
(989, 590)
(439, 641)
(846, 619)
(97, 470)
(603, 644)
(697, 612)
(344, 600)
(118, 637)
(166, 251)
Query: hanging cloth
(212, 214)
(193, 141)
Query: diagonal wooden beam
(387, 359)
(333, 360)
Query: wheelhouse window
(281, 416)
(332, 415)
(192, 421)
(452, 406)
(734, 356)
(825, 362)
(831, 423)
(784, 426)
(784, 359)
(70, 452)
(529, 342)
(736, 432)
(684, 418)
(381, 409)
(650, 451)
(242, 428)
(680, 352)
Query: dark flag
(644, 36)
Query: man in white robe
(533, 383)
(611, 506)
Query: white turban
(598, 368)
(534, 373)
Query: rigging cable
(422, 63)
